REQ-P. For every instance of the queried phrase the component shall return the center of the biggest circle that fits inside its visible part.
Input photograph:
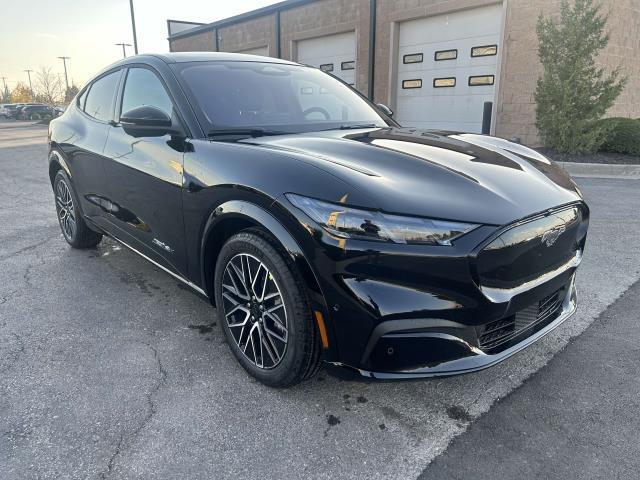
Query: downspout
(278, 46)
(372, 47)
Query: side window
(143, 87)
(100, 97)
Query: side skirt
(190, 284)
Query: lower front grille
(501, 331)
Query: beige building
(467, 65)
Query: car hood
(457, 176)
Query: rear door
(85, 156)
(145, 176)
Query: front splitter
(480, 360)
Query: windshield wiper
(347, 126)
(242, 132)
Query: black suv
(318, 227)
(36, 112)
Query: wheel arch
(57, 162)
(237, 215)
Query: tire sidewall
(62, 176)
(288, 290)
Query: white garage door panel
(331, 49)
(453, 108)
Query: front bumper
(468, 358)
(405, 311)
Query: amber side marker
(323, 329)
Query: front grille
(524, 252)
(501, 331)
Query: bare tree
(49, 88)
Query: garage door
(447, 69)
(333, 53)
(264, 51)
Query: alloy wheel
(66, 210)
(254, 311)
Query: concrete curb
(19, 124)
(601, 170)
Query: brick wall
(200, 42)
(624, 50)
(255, 33)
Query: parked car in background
(37, 112)
(4, 113)
(14, 109)
(319, 227)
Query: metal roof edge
(269, 9)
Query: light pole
(133, 26)
(124, 52)
(30, 87)
(66, 79)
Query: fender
(55, 156)
(259, 216)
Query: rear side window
(82, 98)
(143, 87)
(100, 97)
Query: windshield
(282, 98)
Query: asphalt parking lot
(110, 369)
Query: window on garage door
(320, 101)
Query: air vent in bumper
(499, 332)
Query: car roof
(183, 57)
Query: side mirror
(386, 110)
(146, 121)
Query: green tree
(574, 93)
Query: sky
(35, 32)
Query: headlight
(347, 222)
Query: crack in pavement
(28, 248)
(151, 411)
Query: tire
(35, 116)
(74, 228)
(268, 358)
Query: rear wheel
(264, 312)
(74, 229)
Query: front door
(145, 177)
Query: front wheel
(74, 229)
(264, 312)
